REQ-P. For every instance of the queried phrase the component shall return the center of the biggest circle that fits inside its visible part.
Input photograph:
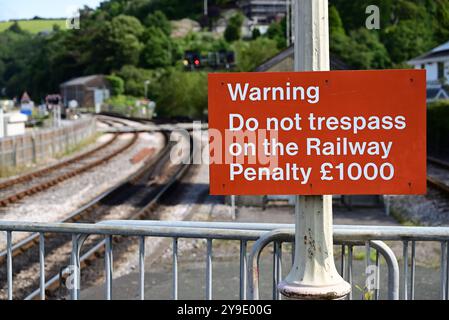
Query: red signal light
(196, 62)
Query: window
(440, 70)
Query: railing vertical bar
(175, 269)
(209, 270)
(75, 266)
(108, 268)
(243, 271)
(277, 269)
(142, 267)
(447, 270)
(350, 258)
(443, 270)
(412, 271)
(9, 262)
(293, 253)
(42, 265)
(367, 265)
(405, 260)
(342, 266)
(376, 289)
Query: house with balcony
(436, 64)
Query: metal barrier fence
(42, 144)
(257, 234)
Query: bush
(438, 129)
(250, 54)
(134, 80)
(182, 94)
(233, 30)
(117, 85)
(122, 104)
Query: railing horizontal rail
(345, 235)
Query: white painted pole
(313, 275)
(2, 124)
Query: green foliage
(118, 43)
(233, 31)
(182, 94)
(250, 54)
(277, 32)
(256, 33)
(159, 20)
(408, 29)
(117, 84)
(438, 128)
(158, 49)
(121, 103)
(134, 79)
(365, 51)
(33, 26)
(407, 39)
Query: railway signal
(213, 60)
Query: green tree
(118, 43)
(407, 39)
(183, 94)
(158, 49)
(117, 84)
(250, 54)
(135, 78)
(233, 31)
(256, 33)
(15, 27)
(159, 20)
(365, 51)
(277, 32)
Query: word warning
(313, 133)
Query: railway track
(438, 175)
(13, 190)
(139, 194)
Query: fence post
(313, 275)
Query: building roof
(80, 81)
(336, 64)
(436, 93)
(436, 54)
(25, 97)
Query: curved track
(13, 190)
(139, 194)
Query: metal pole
(287, 22)
(205, 8)
(2, 124)
(313, 275)
(233, 209)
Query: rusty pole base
(298, 291)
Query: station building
(89, 91)
(436, 64)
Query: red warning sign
(312, 133)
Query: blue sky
(25, 9)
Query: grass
(33, 26)
(402, 219)
(78, 147)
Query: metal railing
(254, 236)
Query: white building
(436, 64)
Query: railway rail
(13, 190)
(438, 175)
(140, 193)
